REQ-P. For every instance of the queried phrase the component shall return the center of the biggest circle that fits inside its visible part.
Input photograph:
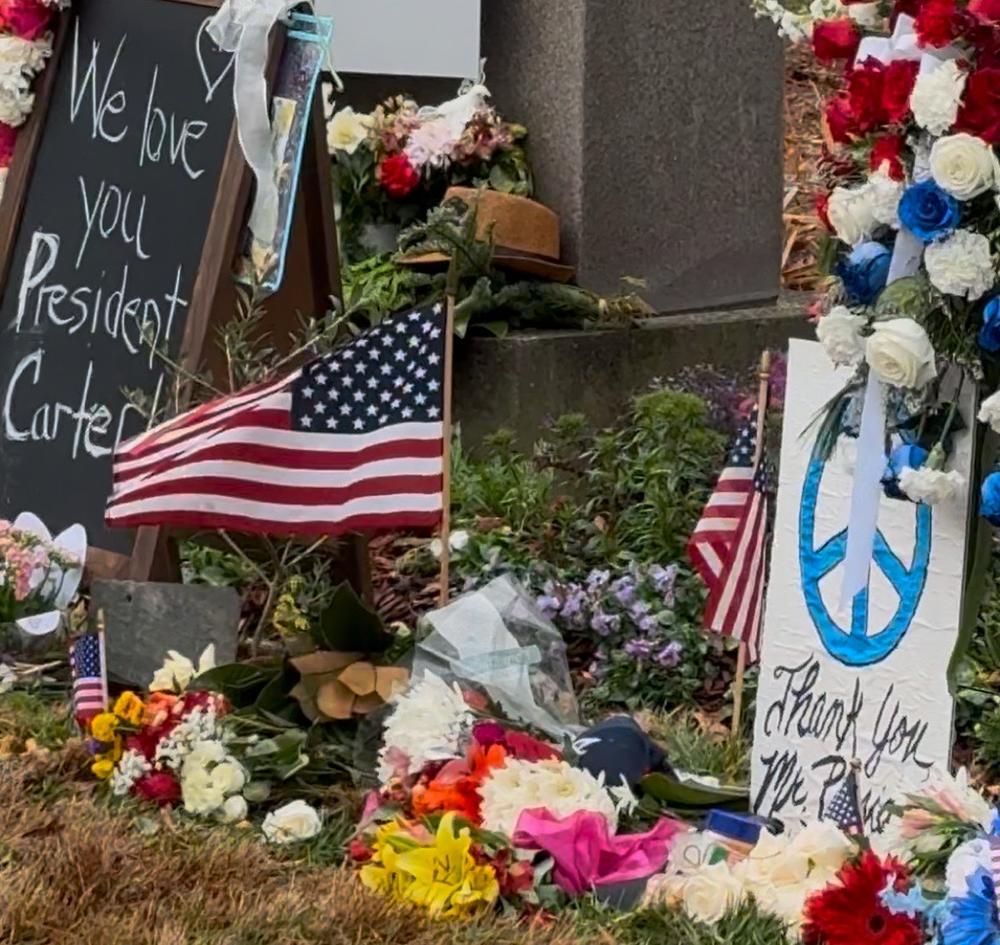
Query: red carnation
(980, 111)
(865, 87)
(898, 80)
(8, 138)
(937, 23)
(526, 748)
(823, 210)
(160, 787)
(26, 19)
(988, 11)
(836, 39)
(839, 120)
(398, 177)
(850, 910)
(889, 150)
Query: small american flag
(729, 548)
(353, 441)
(90, 682)
(845, 808)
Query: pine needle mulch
(807, 86)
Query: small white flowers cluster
(428, 723)
(554, 784)
(131, 767)
(20, 61)
(200, 725)
(797, 26)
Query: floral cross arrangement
(395, 163)
(912, 204)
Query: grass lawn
(79, 869)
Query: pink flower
(26, 19)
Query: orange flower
(456, 785)
(158, 709)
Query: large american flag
(352, 441)
(728, 547)
(90, 681)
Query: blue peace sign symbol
(857, 646)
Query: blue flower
(928, 212)
(604, 624)
(989, 334)
(972, 919)
(990, 505)
(624, 590)
(907, 456)
(864, 272)
(670, 655)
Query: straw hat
(525, 233)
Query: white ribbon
(243, 27)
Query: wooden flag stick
(449, 360)
(763, 392)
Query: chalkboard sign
(114, 242)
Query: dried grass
(75, 872)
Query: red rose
(836, 39)
(8, 138)
(840, 120)
(823, 210)
(26, 19)
(160, 787)
(398, 177)
(889, 150)
(865, 87)
(980, 111)
(937, 23)
(898, 81)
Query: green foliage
(37, 714)
(662, 925)
(378, 286)
(691, 746)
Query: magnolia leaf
(907, 298)
(240, 683)
(256, 792)
(689, 796)
(348, 626)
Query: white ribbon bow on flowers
(908, 251)
(243, 27)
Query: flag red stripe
(296, 459)
(199, 520)
(230, 487)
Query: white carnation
(885, 194)
(963, 165)
(555, 785)
(989, 411)
(15, 106)
(21, 60)
(867, 15)
(427, 724)
(839, 331)
(930, 486)
(961, 264)
(937, 95)
(851, 211)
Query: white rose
(963, 165)
(824, 845)
(839, 331)
(852, 214)
(937, 95)
(930, 486)
(229, 777)
(234, 810)
(200, 793)
(884, 194)
(961, 265)
(901, 354)
(711, 893)
(295, 821)
(989, 411)
(346, 130)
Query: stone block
(521, 381)
(145, 620)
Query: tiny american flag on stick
(353, 441)
(90, 681)
(729, 545)
(845, 808)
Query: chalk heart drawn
(213, 54)
(857, 645)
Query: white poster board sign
(868, 682)
(403, 37)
